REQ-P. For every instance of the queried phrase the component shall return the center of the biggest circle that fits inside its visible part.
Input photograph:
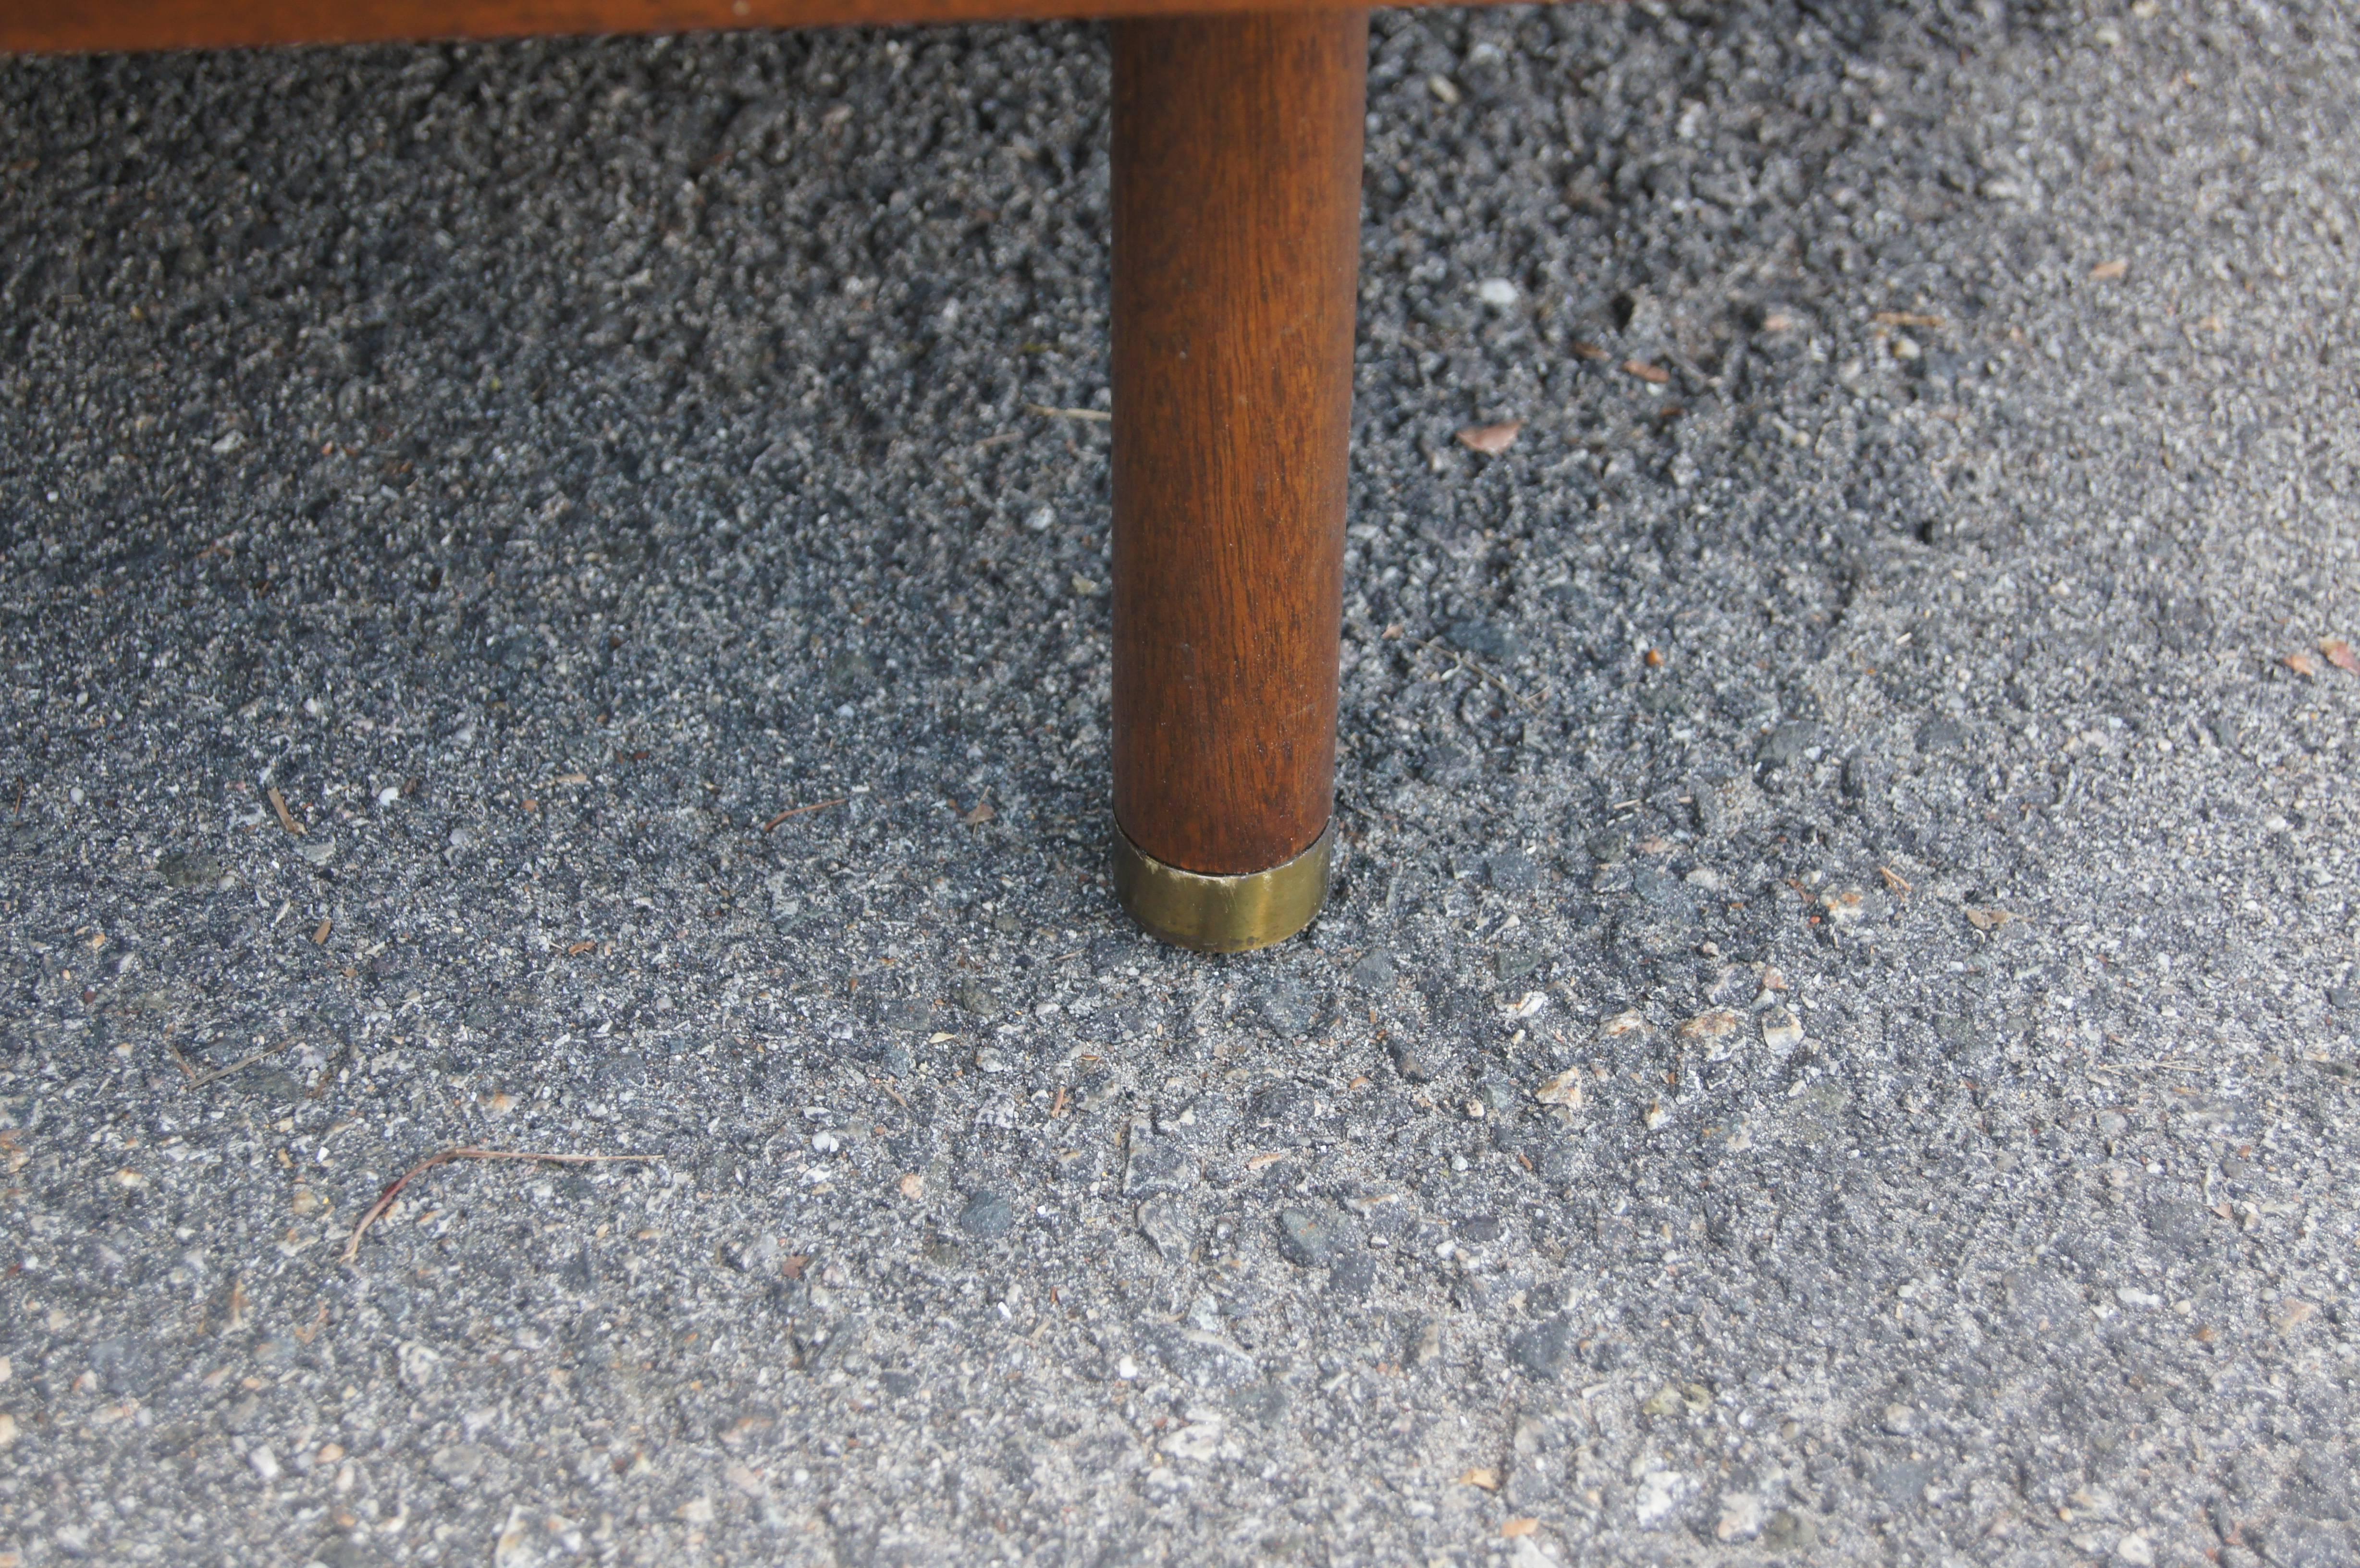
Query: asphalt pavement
(542, 612)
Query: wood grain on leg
(1237, 201)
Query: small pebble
(1864, 775)
(1414, 1062)
(458, 1463)
(1515, 961)
(1282, 1104)
(1663, 890)
(1287, 1005)
(1171, 1225)
(1511, 871)
(1716, 1031)
(1940, 733)
(1845, 905)
(988, 1213)
(1353, 1274)
(1781, 1030)
(908, 1015)
(1308, 1240)
(1446, 764)
(189, 869)
(1623, 1026)
(1543, 1348)
(1565, 1089)
(1787, 743)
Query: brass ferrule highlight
(1222, 914)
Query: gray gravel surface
(1834, 1043)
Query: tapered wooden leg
(1237, 236)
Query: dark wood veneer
(1237, 241)
(84, 27)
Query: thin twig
(1479, 672)
(444, 1157)
(286, 818)
(798, 811)
(199, 1080)
(1095, 415)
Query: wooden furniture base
(1236, 240)
(1237, 200)
(83, 26)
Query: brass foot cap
(1222, 914)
